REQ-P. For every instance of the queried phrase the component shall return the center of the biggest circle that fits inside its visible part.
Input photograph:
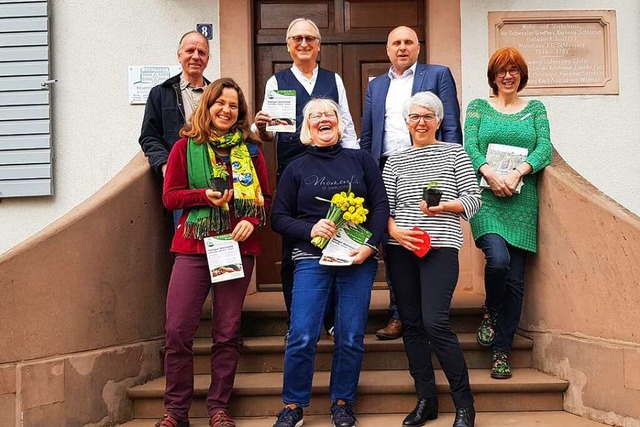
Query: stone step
(483, 419)
(379, 392)
(264, 313)
(265, 354)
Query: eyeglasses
(415, 118)
(327, 114)
(513, 71)
(298, 39)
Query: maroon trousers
(188, 288)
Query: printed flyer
(223, 256)
(348, 238)
(281, 106)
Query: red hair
(500, 60)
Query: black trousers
(424, 289)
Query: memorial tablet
(568, 52)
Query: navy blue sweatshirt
(324, 171)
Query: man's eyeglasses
(327, 114)
(513, 71)
(415, 118)
(298, 39)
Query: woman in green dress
(505, 228)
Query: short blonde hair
(307, 20)
(327, 104)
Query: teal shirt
(514, 218)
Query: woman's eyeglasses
(513, 71)
(327, 114)
(415, 118)
(299, 39)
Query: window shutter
(25, 118)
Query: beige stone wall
(82, 307)
(583, 297)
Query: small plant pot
(432, 196)
(220, 184)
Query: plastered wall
(95, 129)
(82, 308)
(582, 298)
(596, 134)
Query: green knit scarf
(247, 194)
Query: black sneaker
(289, 417)
(342, 414)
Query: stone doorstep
(483, 419)
(264, 313)
(265, 354)
(258, 394)
(271, 304)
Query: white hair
(424, 99)
(307, 20)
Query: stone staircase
(386, 393)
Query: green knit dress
(514, 218)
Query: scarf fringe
(217, 220)
(247, 207)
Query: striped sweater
(407, 173)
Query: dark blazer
(433, 78)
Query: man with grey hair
(171, 103)
(309, 81)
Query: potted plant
(220, 178)
(432, 194)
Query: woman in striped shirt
(424, 285)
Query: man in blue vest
(384, 130)
(309, 81)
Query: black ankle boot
(426, 409)
(465, 417)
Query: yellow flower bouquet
(345, 208)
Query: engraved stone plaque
(568, 52)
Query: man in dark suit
(384, 131)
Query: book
(223, 257)
(281, 106)
(503, 159)
(347, 238)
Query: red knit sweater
(177, 195)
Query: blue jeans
(311, 294)
(504, 286)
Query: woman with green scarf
(216, 151)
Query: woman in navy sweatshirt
(324, 170)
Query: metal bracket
(48, 82)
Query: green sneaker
(500, 369)
(486, 333)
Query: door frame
(443, 34)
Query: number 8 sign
(206, 30)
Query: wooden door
(354, 35)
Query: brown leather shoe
(392, 331)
